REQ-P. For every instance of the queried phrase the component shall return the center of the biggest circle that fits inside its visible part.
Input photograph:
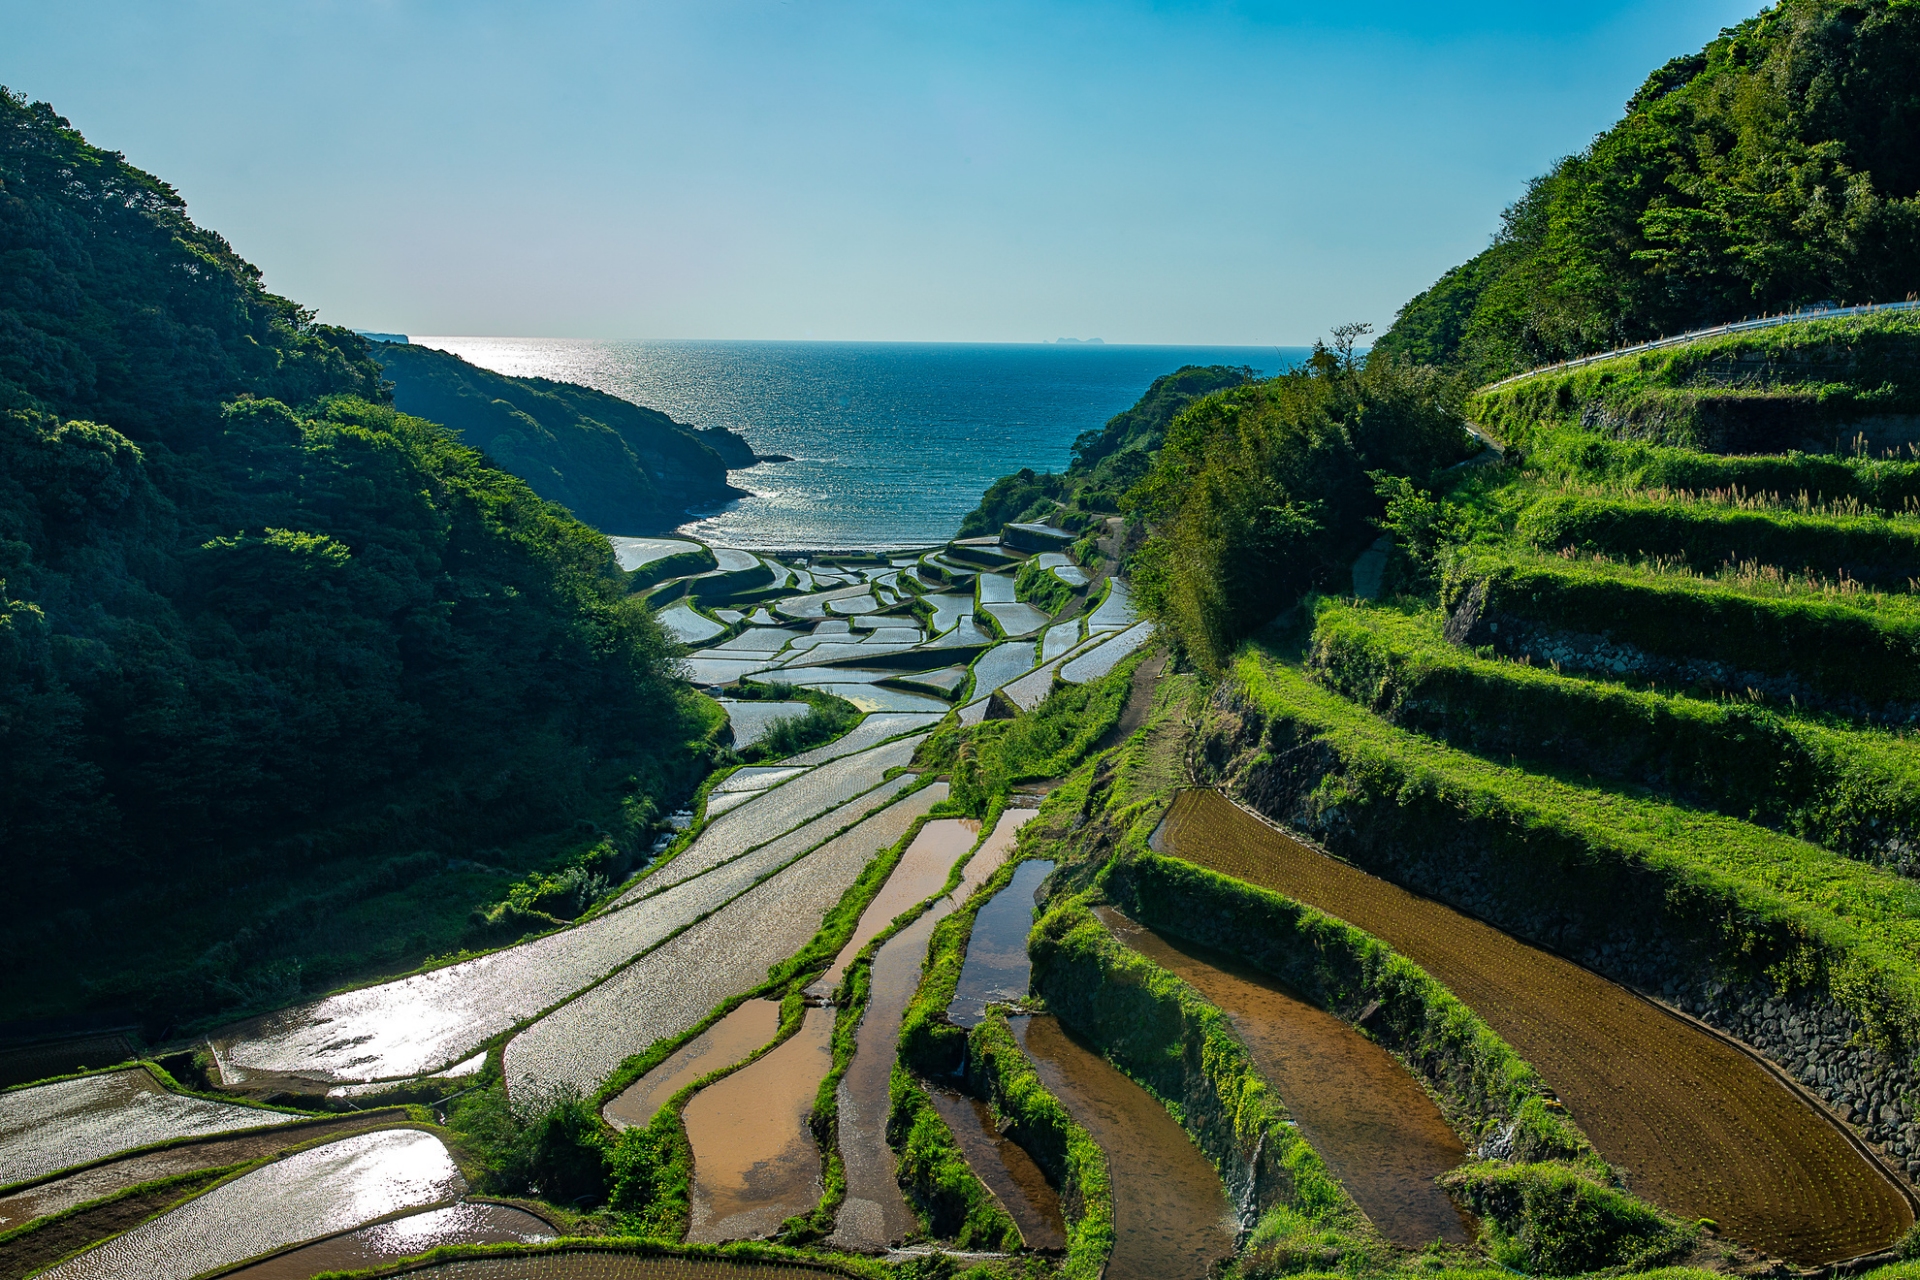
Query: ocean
(892, 443)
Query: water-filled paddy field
(673, 987)
(53, 1195)
(997, 968)
(465, 1223)
(754, 1158)
(69, 1122)
(315, 1193)
(607, 1264)
(1369, 1119)
(1006, 1170)
(752, 1024)
(1171, 1219)
(1703, 1129)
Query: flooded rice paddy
(465, 1223)
(1370, 1120)
(755, 1162)
(751, 720)
(1001, 664)
(726, 1042)
(1017, 620)
(992, 853)
(921, 872)
(1006, 1170)
(56, 1126)
(673, 987)
(60, 1194)
(874, 729)
(1171, 1220)
(1703, 1130)
(632, 553)
(874, 1214)
(405, 1028)
(600, 1264)
(780, 809)
(1059, 640)
(1116, 612)
(997, 967)
(1098, 661)
(315, 1193)
(996, 588)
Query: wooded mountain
(1774, 168)
(271, 651)
(616, 465)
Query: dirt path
(1702, 1129)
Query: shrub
(1553, 1219)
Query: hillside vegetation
(619, 467)
(1106, 461)
(272, 654)
(1773, 169)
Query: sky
(787, 169)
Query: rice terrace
(1441, 803)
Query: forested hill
(616, 465)
(271, 652)
(1776, 167)
(1106, 460)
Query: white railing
(1738, 326)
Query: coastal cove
(892, 442)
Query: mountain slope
(614, 464)
(1773, 169)
(270, 651)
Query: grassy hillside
(289, 680)
(616, 465)
(1773, 169)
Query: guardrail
(1738, 326)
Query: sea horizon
(891, 442)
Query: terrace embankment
(1701, 1128)
(575, 1262)
(1372, 1123)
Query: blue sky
(1182, 173)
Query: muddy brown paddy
(1171, 1220)
(1371, 1122)
(1006, 1170)
(1702, 1129)
(755, 1163)
(726, 1042)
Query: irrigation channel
(775, 846)
(1703, 1129)
(1171, 1216)
(1369, 1119)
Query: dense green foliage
(1553, 1220)
(1856, 792)
(1761, 905)
(987, 759)
(614, 464)
(1263, 492)
(1106, 462)
(1774, 168)
(264, 668)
